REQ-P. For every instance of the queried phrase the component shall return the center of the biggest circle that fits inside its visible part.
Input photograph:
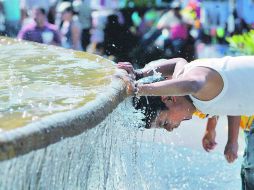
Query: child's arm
(166, 67)
(174, 87)
(208, 140)
(231, 148)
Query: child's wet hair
(150, 106)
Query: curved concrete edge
(56, 127)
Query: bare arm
(211, 123)
(233, 128)
(167, 67)
(173, 87)
(232, 144)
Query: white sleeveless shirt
(237, 95)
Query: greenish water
(38, 80)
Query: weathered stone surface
(51, 129)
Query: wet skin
(172, 117)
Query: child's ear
(166, 99)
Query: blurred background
(132, 30)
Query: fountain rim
(58, 126)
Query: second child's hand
(127, 66)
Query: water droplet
(34, 118)
(24, 115)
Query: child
(216, 86)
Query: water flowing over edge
(115, 155)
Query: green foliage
(243, 44)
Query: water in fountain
(38, 80)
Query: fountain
(65, 123)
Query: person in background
(32, 4)
(85, 18)
(113, 37)
(40, 30)
(247, 169)
(52, 14)
(172, 22)
(118, 39)
(2, 20)
(70, 29)
(97, 33)
(12, 12)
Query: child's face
(166, 121)
(171, 118)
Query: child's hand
(230, 151)
(208, 140)
(128, 67)
(129, 82)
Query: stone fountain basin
(49, 93)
